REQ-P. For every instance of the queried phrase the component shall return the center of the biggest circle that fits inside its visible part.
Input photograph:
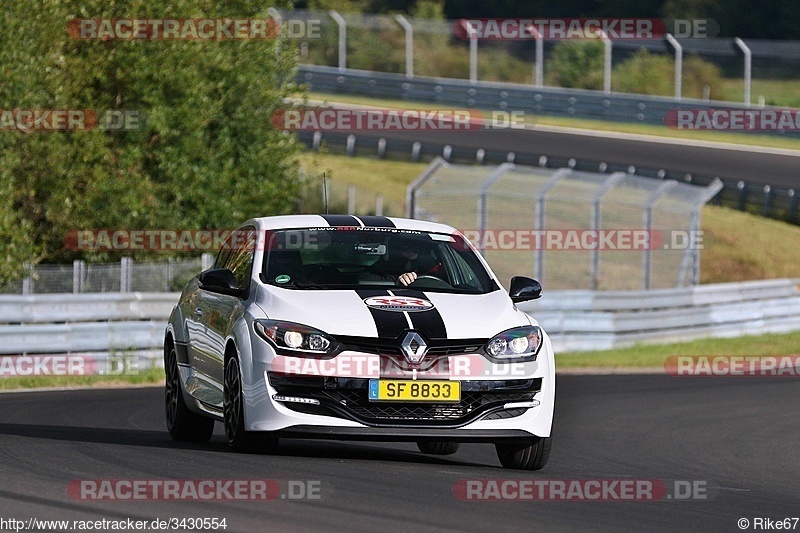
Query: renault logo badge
(414, 348)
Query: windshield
(341, 258)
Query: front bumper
(498, 401)
(402, 434)
(346, 398)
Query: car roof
(317, 221)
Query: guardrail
(593, 320)
(110, 328)
(575, 103)
(575, 320)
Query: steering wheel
(437, 282)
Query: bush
(577, 65)
(697, 74)
(645, 73)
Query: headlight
(293, 337)
(516, 343)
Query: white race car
(359, 328)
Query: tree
(204, 155)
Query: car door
(209, 314)
(221, 311)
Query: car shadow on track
(161, 439)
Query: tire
(183, 425)
(525, 455)
(239, 439)
(437, 447)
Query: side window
(237, 255)
(223, 253)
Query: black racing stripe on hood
(340, 220)
(430, 323)
(390, 324)
(376, 221)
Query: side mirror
(220, 280)
(524, 289)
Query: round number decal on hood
(398, 303)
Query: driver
(407, 260)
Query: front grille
(347, 398)
(436, 348)
(470, 402)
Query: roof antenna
(325, 190)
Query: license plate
(414, 390)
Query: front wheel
(525, 455)
(183, 425)
(239, 439)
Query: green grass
(750, 139)
(654, 355)
(370, 176)
(775, 92)
(149, 376)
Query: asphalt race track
(738, 434)
(754, 167)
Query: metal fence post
(538, 71)
(342, 39)
(541, 218)
(742, 196)
(748, 64)
(411, 190)
(473, 52)
(609, 184)
(125, 274)
(78, 268)
(169, 274)
(409, 29)
(678, 65)
(27, 281)
(647, 259)
(206, 261)
(767, 200)
(379, 205)
(483, 202)
(606, 62)
(711, 190)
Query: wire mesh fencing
(125, 276)
(570, 229)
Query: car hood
(387, 313)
